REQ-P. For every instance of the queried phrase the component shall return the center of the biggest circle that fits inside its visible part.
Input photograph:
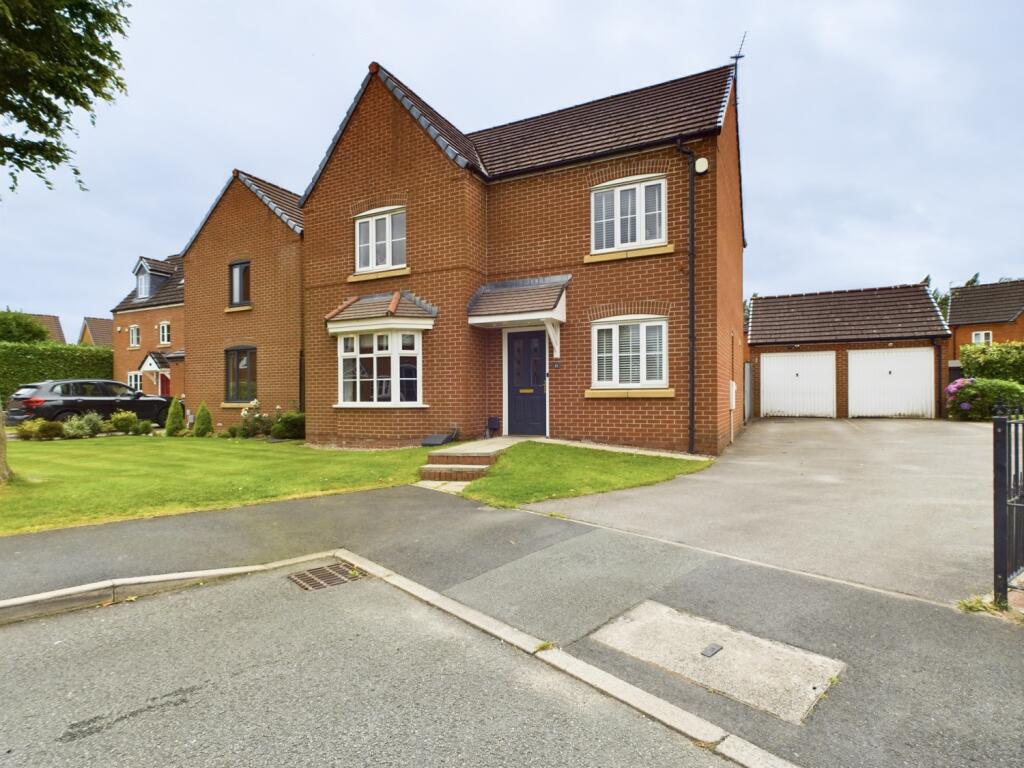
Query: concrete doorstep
(706, 734)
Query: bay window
(380, 240)
(629, 352)
(629, 213)
(380, 368)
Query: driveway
(901, 505)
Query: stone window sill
(359, 277)
(635, 253)
(379, 406)
(234, 405)
(242, 308)
(628, 394)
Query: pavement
(923, 685)
(898, 504)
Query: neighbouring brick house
(96, 332)
(244, 301)
(149, 329)
(537, 274)
(865, 352)
(53, 327)
(984, 314)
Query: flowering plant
(975, 399)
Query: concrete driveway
(902, 505)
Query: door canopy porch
(518, 303)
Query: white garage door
(892, 382)
(798, 384)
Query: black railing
(1008, 496)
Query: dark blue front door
(527, 383)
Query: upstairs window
(380, 240)
(628, 214)
(981, 337)
(165, 332)
(133, 336)
(629, 352)
(142, 285)
(238, 281)
(240, 375)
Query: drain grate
(327, 575)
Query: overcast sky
(881, 140)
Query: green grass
(78, 482)
(530, 472)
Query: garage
(892, 382)
(798, 384)
(869, 352)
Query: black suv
(60, 400)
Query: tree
(204, 422)
(56, 57)
(941, 297)
(175, 423)
(17, 326)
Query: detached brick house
(96, 332)
(864, 352)
(539, 277)
(149, 329)
(984, 314)
(243, 299)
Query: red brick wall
(128, 359)
(1000, 332)
(462, 233)
(842, 369)
(242, 227)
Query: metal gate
(1008, 487)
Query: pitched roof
(686, 107)
(396, 304)
(158, 359)
(52, 325)
(866, 314)
(986, 303)
(101, 330)
(535, 294)
(170, 291)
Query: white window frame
(135, 380)
(372, 217)
(143, 283)
(394, 352)
(986, 337)
(165, 333)
(134, 337)
(643, 322)
(638, 184)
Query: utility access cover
(772, 676)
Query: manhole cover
(327, 575)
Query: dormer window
(142, 285)
(628, 213)
(380, 239)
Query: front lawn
(529, 472)
(77, 482)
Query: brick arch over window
(636, 167)
(635, 307)
(383, 200)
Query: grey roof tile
(537, 294)
(987, 303)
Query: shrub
(290, 425)
(124, 421)
(50, 430)
(975, 399)
(106, 428)
(224, 434)
(1004, 360)
(203, 426)
(143, 427)
(22, 363)
(233, 430)
(29, 430)
(18, 326)
(75, 428)
(93, 422)
(254, 422)
(175, 419)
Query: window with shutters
(629, 352)
(628, 213)
(380, 239)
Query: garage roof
(866, 314)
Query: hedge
(1004, 360)
(24, 363)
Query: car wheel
(64, 416)
(161, 417)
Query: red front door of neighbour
(165, 385)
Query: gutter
(691, 261)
